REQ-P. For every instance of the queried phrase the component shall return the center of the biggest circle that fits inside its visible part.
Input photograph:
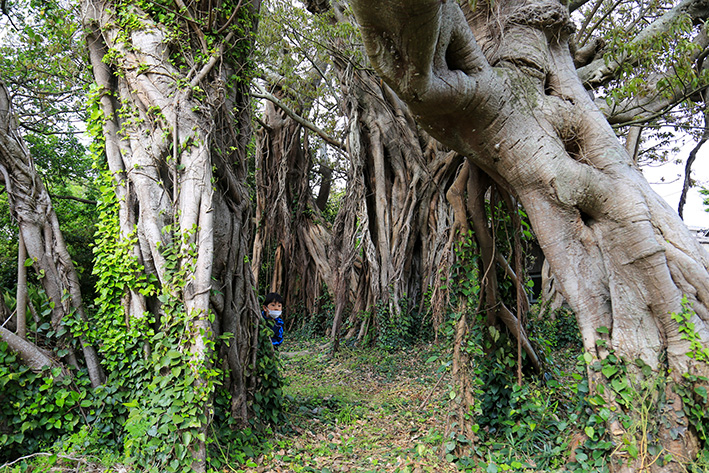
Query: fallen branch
(31, 355)
(41, 454)
(430, 393)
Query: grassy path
(360, 411)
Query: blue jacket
(276, 325)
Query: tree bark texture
(21, 309)
(176, 132)
(395, 214)
(394, 237)
(31, 206)
(414, 207)
(499, 86)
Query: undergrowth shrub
(627, 411)
(516, 426)
(309, 326)
(268, 396)
(556, 329)
(34, 408)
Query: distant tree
(32, 208)
(646, 65)
(290, 253)
(392, 238)
(42, 61)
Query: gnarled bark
(291, 235)
(394, 235)
(399, 217)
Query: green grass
(373, 410)
(360, 410)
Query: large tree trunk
(499, 86)
(39, 227)
(176, 131)
(396, 191)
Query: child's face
(273, 306)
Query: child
(272, 309)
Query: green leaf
(702, 391)
(632, 451)
(590, 432)
(609, 370)
(618, 384)
(604, 414)
(597, 400)
(602, 330)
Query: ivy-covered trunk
(173, 116)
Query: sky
(671, 188)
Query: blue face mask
(275, 313)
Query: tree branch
(41, 454)
(688, 165)
(212, 61)
(263, 94)
(643, 112)
(7, 14)
(193, 23)
(47, 132)
(71, 197)
(6, 180)
(601, 71)
(231, 18)
(576, 4)
(432, 59)
(30, 354)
